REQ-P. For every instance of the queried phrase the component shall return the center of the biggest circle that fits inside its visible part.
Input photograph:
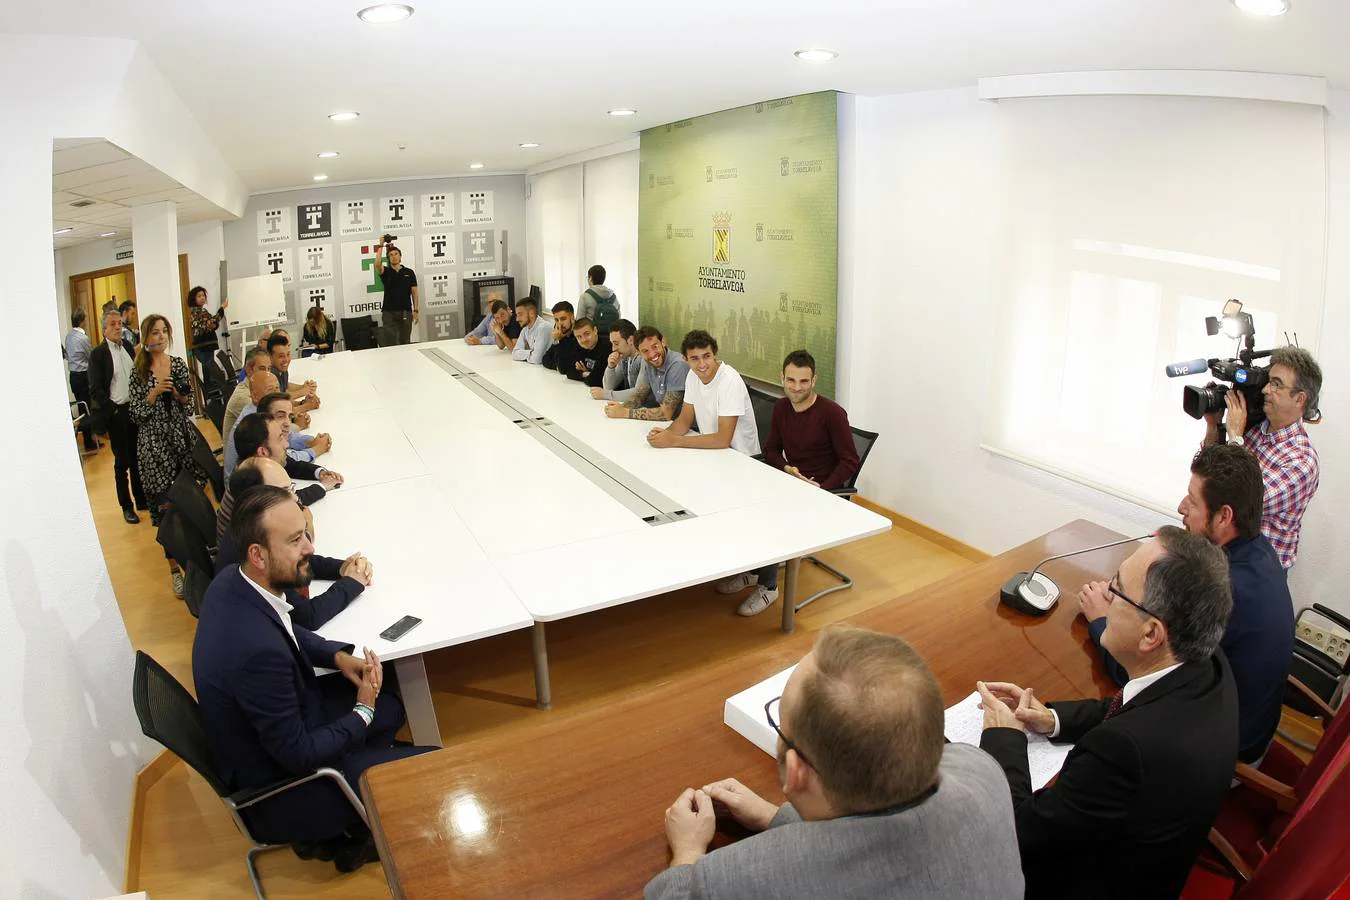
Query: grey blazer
(959, 842)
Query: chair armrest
(1263, 784)
(248, 797)
(1312, 696)
(844, 491)
(1234, 860)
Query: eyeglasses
(1121, 594)
(773, 722)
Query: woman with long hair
(204, 324)
(319, 330)
(160, 404)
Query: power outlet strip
(1331, 641)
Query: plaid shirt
(1290, 470)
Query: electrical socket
(1331, 642)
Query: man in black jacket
(110, 366)
(562, 353)
(591, 355)
(1150, 768)
(350, 576)
(1223, 503)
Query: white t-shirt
(725, 395)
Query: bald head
(261, 383)
(268, 470)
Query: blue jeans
(767, 576)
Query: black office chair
(205, 457)
(862, 443)
(358, 333)
(188, 499)
(195, 584)
(169, 715)
(762, 404)
(181, 540)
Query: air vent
(81, 204)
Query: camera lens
(1196, 401)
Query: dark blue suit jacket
(260, 699)
(1259, 641)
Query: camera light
(1232, 327)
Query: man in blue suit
(267, 715)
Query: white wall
(72, 744)
(204, 244)
(925, 232)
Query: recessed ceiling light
(528, 145)
(328, 154)
(320, 177)
(623, 112)
(108, 234)
(475, 165)
(344, 116)
(817, 54)
(385, 13)
(1263, 7)
(63, 231)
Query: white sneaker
(757, 602)
(736, 583)
(178, 585)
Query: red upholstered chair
(1260, 810)
(1311, 858)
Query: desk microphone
(1035, 593)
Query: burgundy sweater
(818, 442)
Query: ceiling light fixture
(623, 112)
(108, 234)
(328, 154)
(475, 165)
(818, 54)
(385, 13)
(320, 177)
(344, 116)
(63, 231)
(528, 145)
(1263, 7)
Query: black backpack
(606, 311)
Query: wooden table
(573, 806)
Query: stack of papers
(963, 723)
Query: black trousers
(395, 328)
(79, 386)
(318, 811)
(122, 434)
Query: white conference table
(467, 510)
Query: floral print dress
(164, 444)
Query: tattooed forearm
(666, 412)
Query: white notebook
(963, 723)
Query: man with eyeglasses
(1289, 463)
(877, 805)
(1151, 766)
(1223, 503)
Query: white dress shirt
(279, 606)
(120, 391)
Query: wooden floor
(189, 845)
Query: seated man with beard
(267, 716)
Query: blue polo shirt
(1258, 642)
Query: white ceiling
(465, 81)
(93, 169)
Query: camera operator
(1289, 466)
(399, 313)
